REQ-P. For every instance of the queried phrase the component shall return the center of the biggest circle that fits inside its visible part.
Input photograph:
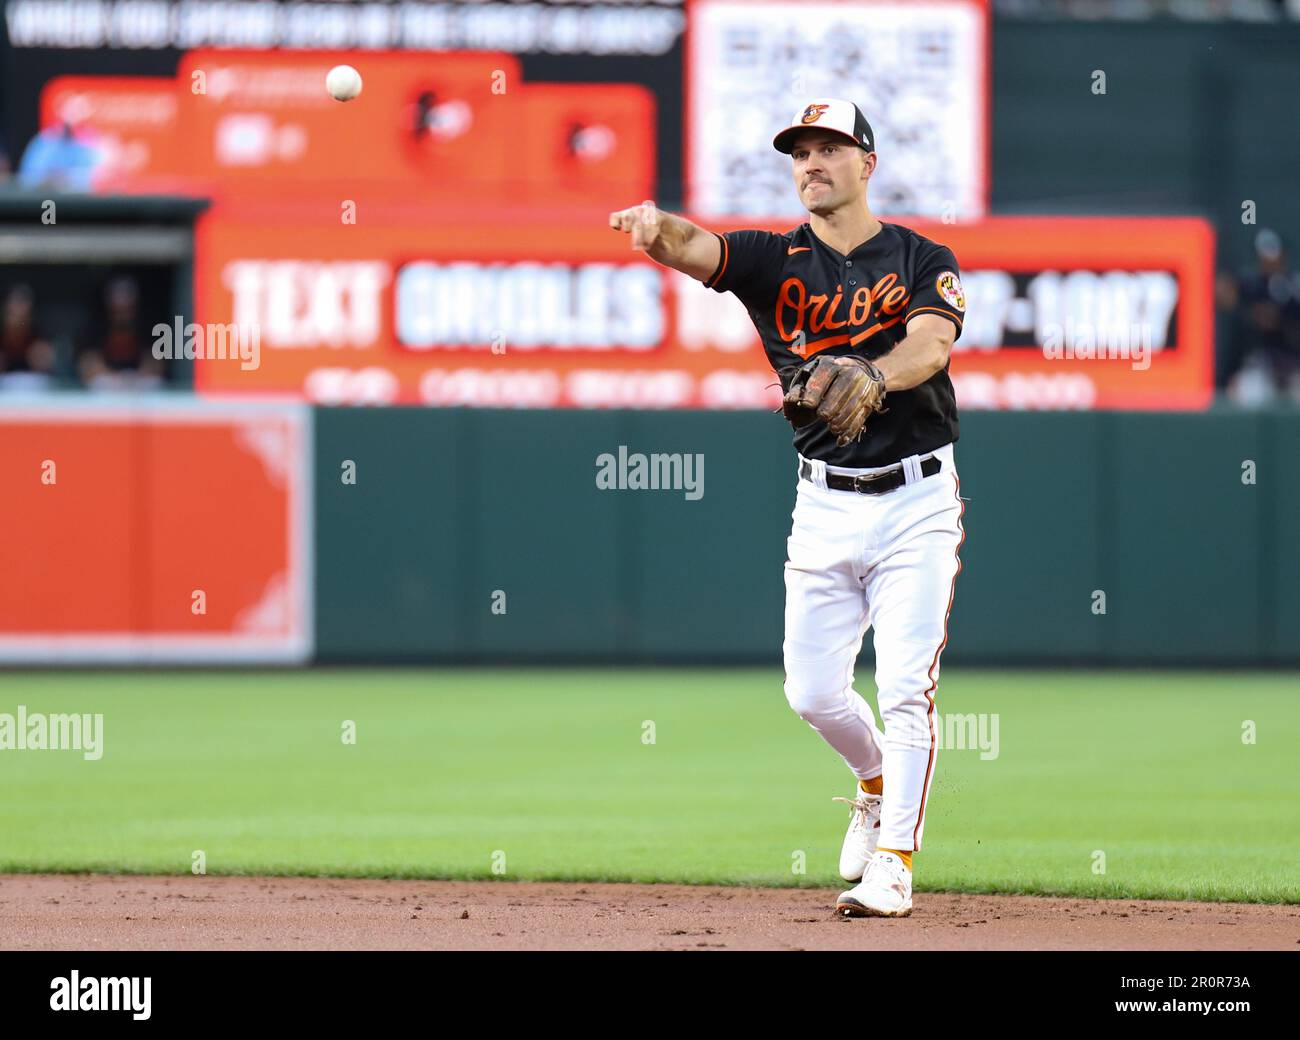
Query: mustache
(815, 180)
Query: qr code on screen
(917, 71)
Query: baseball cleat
(885, 890)
(860, 840)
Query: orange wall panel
(151, 504)
(69, 557)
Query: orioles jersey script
(806, 298)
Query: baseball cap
(834, 114)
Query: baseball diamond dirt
(130, 912)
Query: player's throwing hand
(642, 221)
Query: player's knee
(812, 696)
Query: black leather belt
(871, 484)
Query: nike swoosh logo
(797, 249)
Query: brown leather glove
(841, 391)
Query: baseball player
(858, 318)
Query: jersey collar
(875, 241)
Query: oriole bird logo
(813, 113)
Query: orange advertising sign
(474, 308)
(585, 141)
(156, 532)
(1084, 312)
(264, 117)
(453, 126)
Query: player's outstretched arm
(670, 240)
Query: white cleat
(860, 840)
(885, 890)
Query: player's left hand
(841, 391)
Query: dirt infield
(89, 912)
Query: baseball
(343, 82)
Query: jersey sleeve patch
(950, 290)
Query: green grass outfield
(550, 768)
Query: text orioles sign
(569, 317)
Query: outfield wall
(174, 531)
(451, 508)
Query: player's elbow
(931, 337)
(940, 350)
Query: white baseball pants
(888, 562)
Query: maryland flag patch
(949, 286)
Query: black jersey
(805, 298)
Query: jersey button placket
(848, 264)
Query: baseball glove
(841, 391)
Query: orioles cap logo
(813, 113)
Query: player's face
(829, 171)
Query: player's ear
(868, 165)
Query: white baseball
(343, 82)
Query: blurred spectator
(122, 359)
(1264, 334)
(63, 156)
(26, 358)
(1227, 329)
